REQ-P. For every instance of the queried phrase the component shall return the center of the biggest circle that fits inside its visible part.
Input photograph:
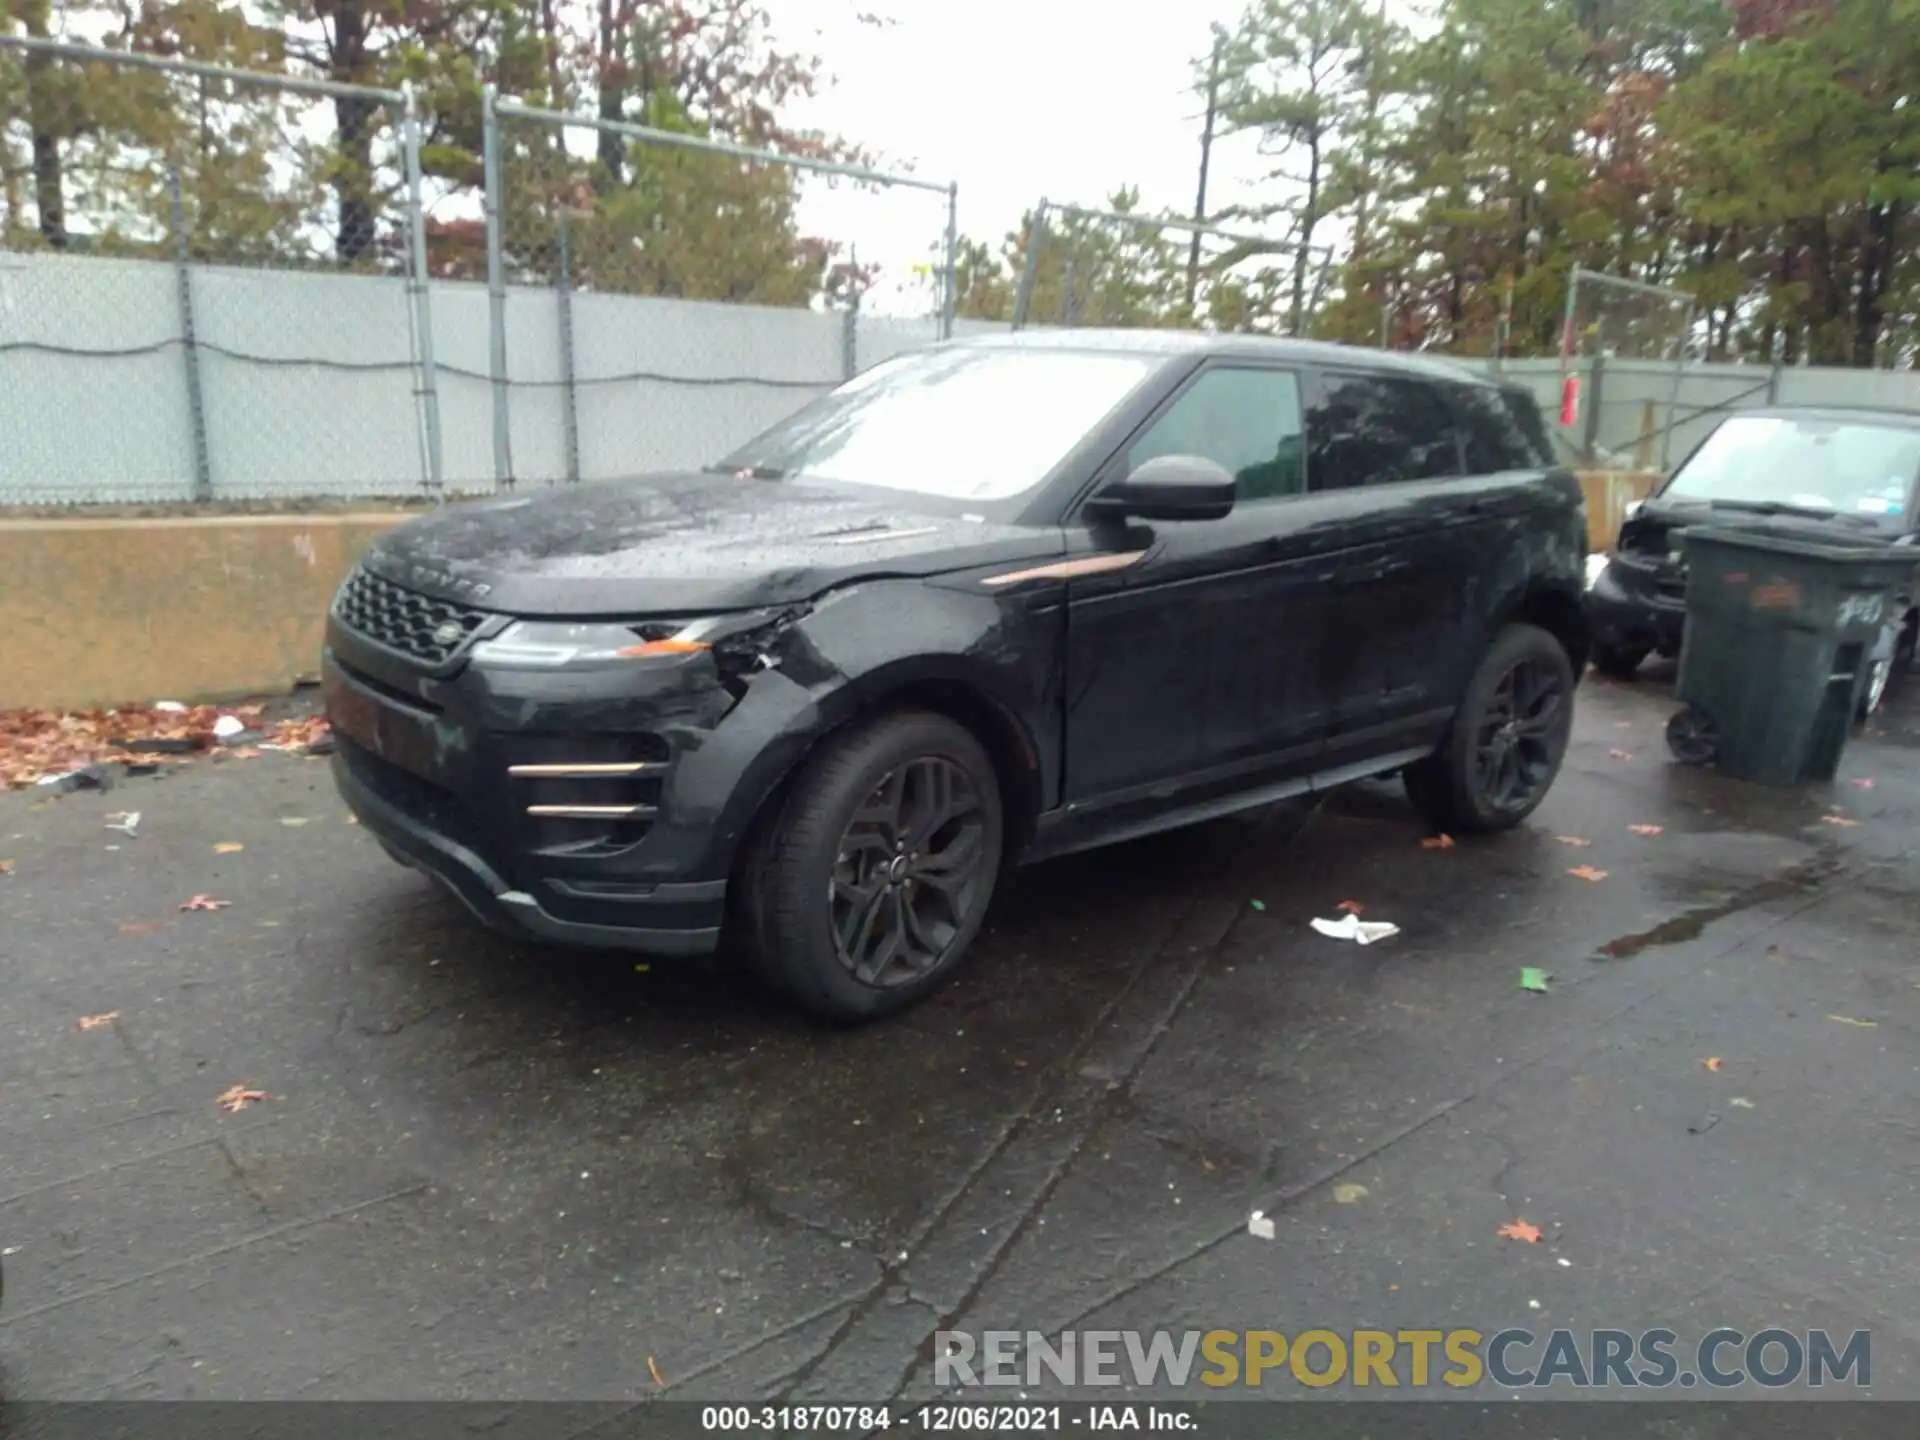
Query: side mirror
(1169, 487)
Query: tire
(1526, 674)
(1619, 662)
(837, 908)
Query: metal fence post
(950, 275)
(563, 291)
(1679, 375)
(1023, 296)
(422, 298)
(1590, 436)
(496, 288)
(189, 347)
(850, 323)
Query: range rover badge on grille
(448, 632)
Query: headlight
(550, 645)
(604, 644)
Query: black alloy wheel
(1508, 739)
(1522, 735)
(862, 889)
(907, 877)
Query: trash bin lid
(1843, 549)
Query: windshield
(963, 424)
(1845, 466)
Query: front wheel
(863, 892)
(1508, 739)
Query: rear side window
(1526, 414)
(1245, 420)
(1495, 431)
(1379, 429)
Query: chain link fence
(658, 296)
(211, 283)
(1610, 319)
(1111, 268)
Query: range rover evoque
(999, 599)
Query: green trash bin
(1776, 655)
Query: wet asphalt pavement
(490, 1171)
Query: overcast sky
(1063, 98)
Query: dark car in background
(1001, 599)
(1810, 472)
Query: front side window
(963, 424)
(1854, 467)
(1377, 430)
(1245, 420)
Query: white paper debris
(127, 822)
(227, 726)
(1259, 1226)
(1352, 927)
(168, 705)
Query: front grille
(431, 631)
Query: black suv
(1810, 472)
(1002, 598)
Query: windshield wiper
(746, 472)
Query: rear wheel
(1508, 739)
(1619, 661)
(863, 892)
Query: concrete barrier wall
(111, 612)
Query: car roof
(1244, 347)
(1876, 414)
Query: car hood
(681, 544)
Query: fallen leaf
(238, 1097)
(293, 822)
(1862, 784)
(1620, 754)
(94, 1022)
(1520, 1230)
(1648, 829)
(228, 847)
(1712, 1062)
(1839, 820)
(1352, 907)
(245, 752)
(1579, 842)
(1347, 1194)
(653, 1369)
(1587, 873)
(6, 867)
(204, 902)
(1437, 842)
(1533, 978)
(1862, 1024)
(1740, 1102)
